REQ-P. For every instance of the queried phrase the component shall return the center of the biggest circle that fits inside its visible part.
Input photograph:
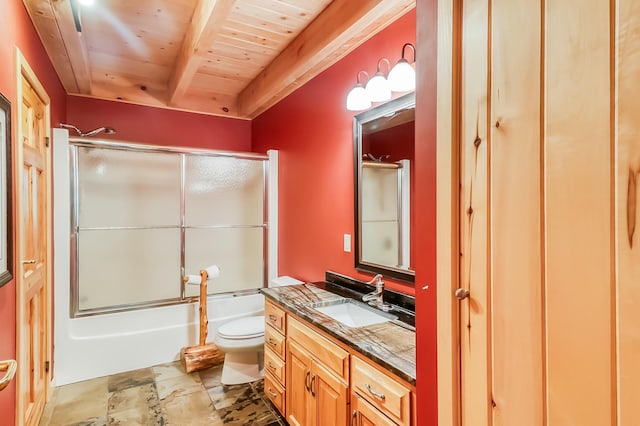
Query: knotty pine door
(539, 153)
(33, 291)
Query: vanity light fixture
(377, 87)
(402, 77)
(358, 99)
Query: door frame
(23, 69)
(449, 57)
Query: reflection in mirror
(384, 158)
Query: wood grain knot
(470, 211)
(631, 205)
(477, 142)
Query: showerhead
(107, 130)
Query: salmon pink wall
(16, 30)
(157, 126)
(426, 95)
(314, 133)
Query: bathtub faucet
(375, 298)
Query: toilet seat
(242, 328)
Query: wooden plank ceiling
(232, 58)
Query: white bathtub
(106, 344)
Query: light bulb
(86, 2)
(378, 88)
(402, 77)
(358, 99)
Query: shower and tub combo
(120, 300)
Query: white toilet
(242, 341)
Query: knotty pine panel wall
(626, 137)
(545, 130)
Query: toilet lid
(243, 328)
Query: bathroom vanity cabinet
(317, 378)
(274, 355)
(314, 378)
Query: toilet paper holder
(205, 274)
(10, 366)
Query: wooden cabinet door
(365, 414)
(298, 378)
(330, 397)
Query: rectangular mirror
(384, 139)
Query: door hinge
(46, 366)
(46, 141)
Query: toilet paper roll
(213, 271)
(193, 279)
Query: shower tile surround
(160, 395)
(392, 345)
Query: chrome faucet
(375, 298)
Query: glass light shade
(378, 88)
(402, 77)
(358, 99)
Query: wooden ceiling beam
(75, 44)
(340, 28)
(67, 49)
(208, 19)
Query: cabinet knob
(353, 418)
(461, 293)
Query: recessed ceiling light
(86, 2)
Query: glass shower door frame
(76, 143)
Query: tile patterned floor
(160, 395)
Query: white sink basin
(354, 314)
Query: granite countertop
(391, 345)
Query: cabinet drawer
(274, 392)
(274, 316)
(274, 341)
(332, 356)
(383, 392)
(363, 413)
(274, 365)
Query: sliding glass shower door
(142, 217)
(225, 221)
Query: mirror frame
(400, 103)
